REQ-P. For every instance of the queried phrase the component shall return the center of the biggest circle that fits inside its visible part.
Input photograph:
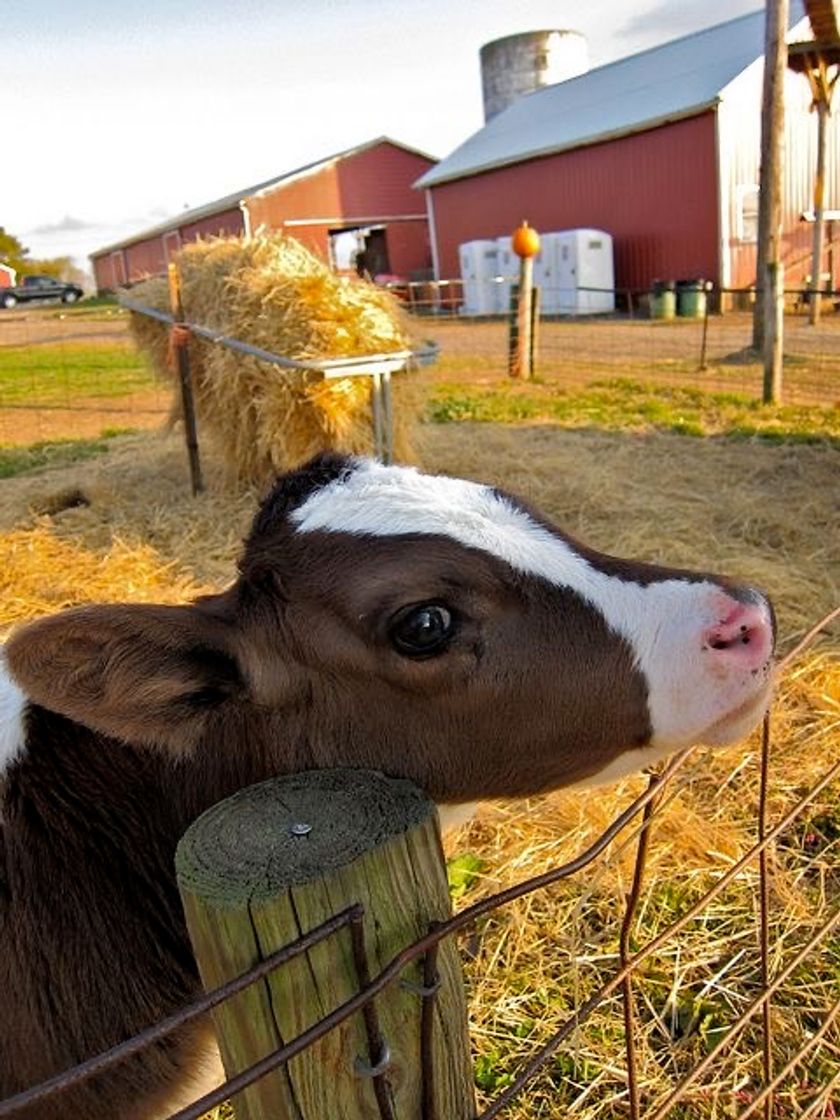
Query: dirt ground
(88, 418)
(42, 326)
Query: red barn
(661, 150)
(365, 192)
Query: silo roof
(677, 79)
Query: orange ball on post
(526, 241)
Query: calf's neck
(428, 627)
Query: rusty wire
(764, 918)
(101, 1063)
(631, 907)
(426, 946)
(815, 1039)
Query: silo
(522, 63)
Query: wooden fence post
(274, 861)
(525, 242)
(180, 344)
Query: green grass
(54, 453)
(633, 405)
(58, 374)
(93, 307)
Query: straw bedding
(767, 514)
(270, 292)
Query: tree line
(16, 255)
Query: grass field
(69, 376)
(610, 462)
(71, 373)
(627, 405)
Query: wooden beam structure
(819, 61)
(824, 17)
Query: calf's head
(426, 626)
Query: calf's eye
(422, 631)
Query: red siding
(378, 181)
(371, 186)
(145, 258)
(409, 247)
(109, 271)
(656, 192)
(314, 196)
(227, 223)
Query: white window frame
(742, 233)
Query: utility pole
(768, 319)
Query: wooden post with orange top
(526, 245)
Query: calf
(432, 628)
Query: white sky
(119, 113)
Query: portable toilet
(478, 272)
(546, 274)
(583, 272)
(507, 272)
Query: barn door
(376, 253)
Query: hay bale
(271, 292)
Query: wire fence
(618, 334)
(76, 373)
(781, 1082)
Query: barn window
(746, 220)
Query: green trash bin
(663, 299)
(691, 299)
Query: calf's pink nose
(745, 635)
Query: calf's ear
(143, 674)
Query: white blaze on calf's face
(12, 705)
(691, 696)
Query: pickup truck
(40, 287)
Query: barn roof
(230, 201)
(677, 79)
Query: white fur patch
(12, 705)
(662, 622)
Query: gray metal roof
(677, 79)
(232, 200)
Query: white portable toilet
(581, 277)
(546, 273)
(507, 272)
(478, 271)
(595, 271)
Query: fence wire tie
(180, 335)
(363, 1069)
(424, 991)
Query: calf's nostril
(745, 625)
